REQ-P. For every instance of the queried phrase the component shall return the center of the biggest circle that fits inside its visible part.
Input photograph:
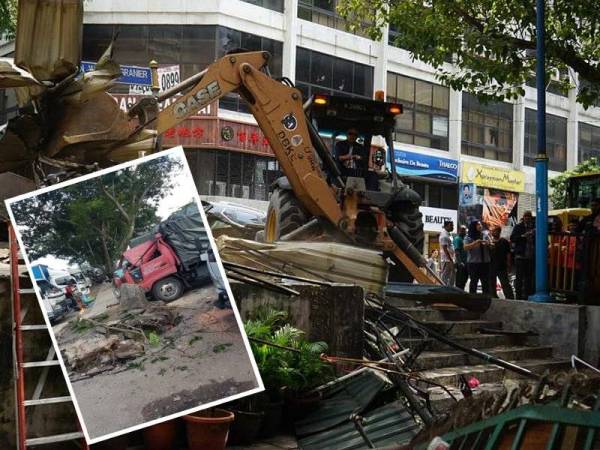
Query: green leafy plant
(153, 339)
(284, 357)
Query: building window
(436, 195)
(589, 142)
(192, 47)
(232, 174)
(487, 129)
(324, 12)
(556, 140)
(275, 5)
(318, 73)
(229, 39)
(424, 120)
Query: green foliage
(558, 184)
(298, 371)
(153, 339)
(491, 43)
(93, 221)
(8, 19)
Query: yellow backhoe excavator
(76, 134)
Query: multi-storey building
(443, 138)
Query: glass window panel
(404, 138)
(391, 86)
(405, 121)
(423, 93)
(441, 97)
(227, 40)
(434, 199)
(342, 75)
(440, 126)
(198, 44)
(164, 43)
(328, 5)
(422, 122)
(302, 64)
(133, 45)
(406, 89)
(251, 42)
(321, 69)
(96, 39)
(423, 141)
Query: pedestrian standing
(432, 261)
(500, 264)
(461, 258)
(478, 257)
(523, 242)
(447, 257)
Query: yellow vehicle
(581, 189)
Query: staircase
(443, 364)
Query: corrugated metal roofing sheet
(385, 426)
(342, 400)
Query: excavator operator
(351, 156)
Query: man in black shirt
(523, 242)
(351, 156)
(500, 264)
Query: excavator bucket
(48, 41)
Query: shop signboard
(130, 74)
(434, 218)
(420, 165)
(494, 177)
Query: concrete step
(474, 340)
(487, 373)
(441, 401)
(463, 326)
(439, 359)
(427, 314)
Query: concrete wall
(569, 329)
(331, 314)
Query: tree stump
(132, 296)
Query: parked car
(235, 214)
(54, 300)
(81, 278)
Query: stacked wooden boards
(322, 261)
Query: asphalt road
(206, 361)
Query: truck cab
(169, 259)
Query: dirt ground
(201, 359)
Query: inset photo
(128, 277)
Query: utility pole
(541, 166)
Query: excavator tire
(409, 220)
(285, 214)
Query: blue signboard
(131, 74)
(417, 164)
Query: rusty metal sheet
(48, 41)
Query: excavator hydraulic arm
(278, 110)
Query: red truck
(169, 259)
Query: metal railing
(574, 266)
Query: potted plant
(290, 366)
(208, 429)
